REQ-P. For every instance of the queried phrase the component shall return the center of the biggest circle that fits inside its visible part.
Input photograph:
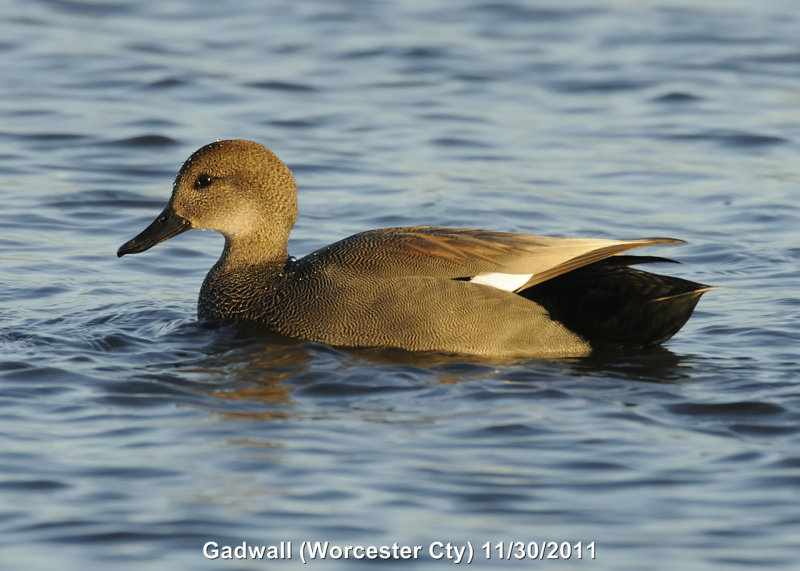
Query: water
(131, 434)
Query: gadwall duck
(418, 288)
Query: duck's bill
(164, 227)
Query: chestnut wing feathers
(459, 253)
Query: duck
(459, 291)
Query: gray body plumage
(330, 298)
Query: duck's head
(236, 187)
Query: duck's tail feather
(611, 304)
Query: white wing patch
(508, 282)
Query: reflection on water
(653, 365)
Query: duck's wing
(500, 259)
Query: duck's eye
(203, 181)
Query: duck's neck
(237, 286)
(241, 252)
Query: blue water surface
(131, 434)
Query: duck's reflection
(256, 374)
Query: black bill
(167, 225)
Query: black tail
(611, 304)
